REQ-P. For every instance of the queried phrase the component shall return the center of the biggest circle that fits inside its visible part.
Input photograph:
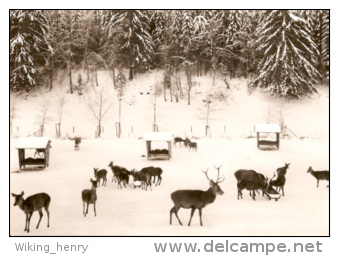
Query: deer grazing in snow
(319, 175)
(118, 169)
(250, 180)
(31, 204)
(89, 196)
(176, 140)
(196, 199)
(101, 174)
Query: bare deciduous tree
(99, 105)
(43, 116)
(13, 113)
(61, 101)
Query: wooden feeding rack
(40, 145)
(149, 137)
(268, 128)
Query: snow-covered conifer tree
(287, 65)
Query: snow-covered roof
(32, 142)
(158, 136)
(267, 128)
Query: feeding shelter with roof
(150, 137)
(40, 145)
(265, 130)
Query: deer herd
(187, 199)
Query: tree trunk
(86, 65)
(51, 80)
(70, 77)
(96, 77)
(113, 71)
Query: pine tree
(287, 66)
(28, 29)
(137, 42)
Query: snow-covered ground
(304, 210)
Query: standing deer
(283, 170)
(89, 196)
(101, 174)
(195, 199)
(31, 204)
(193, 145)
(154, 172)
(279, 182)
(319, 175)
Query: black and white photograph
(169, 123)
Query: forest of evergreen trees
(287, 50)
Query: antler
(206, 174)
(219, 180)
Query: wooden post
(258, 139)
(278, 139)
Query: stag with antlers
(196, 199)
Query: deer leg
(26, 221)
(317, 183)
(83, 209)
(200, 215)
(29, 221)
(192, 212)
(40, 213)
(253, 195)
(175, 210)
(282, 189)
(47, 211)
(87, 209)
(95, 212)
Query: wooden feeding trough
(150, 137)
(41, 145)
(271, 193)
(268, 129)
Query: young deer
(283, 170)
(89, 196)
(144, 177)
(101, 174)
(193, 145)
(319, 175)
(279, 183)
(195, 199)
(116, 170)
(31, 204)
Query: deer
(193, 145)
(38, 151)
(319, 175)
(186, 142)
(154, 172)
(176, 140)
(283, 170)
(89, 196)
(117, 169)
(31, 204)
(196, 199)
(144, 177)
(101, 174)
(279, 183)
(250, 180)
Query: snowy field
(303, 211)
